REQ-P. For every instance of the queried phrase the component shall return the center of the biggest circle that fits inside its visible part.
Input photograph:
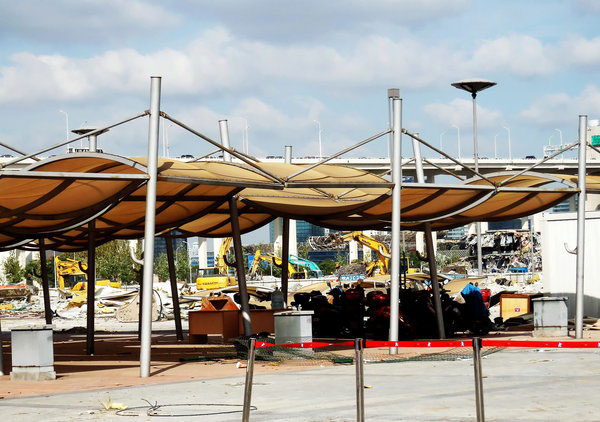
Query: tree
(327, 266)
(182, 264)
(303, 250)
(161, 267)
(13, 272)
(114, 262)
(32, 272)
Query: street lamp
(320, 150)
(67, 118)
(509, 149)
(245, 144)
(458, 138)
(550, 139)
(442, 143)
(473, 86)
(560, 134)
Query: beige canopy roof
(57, 197)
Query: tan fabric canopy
(55, 198)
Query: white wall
(559, 265)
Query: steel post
(360, 379)
(285, 244)
(93, 143)
(396, 164)
(91, 288)
(476, 160)
(174, 290)
(149, 227)
(224, 131)
(45, 282)
(580, 271)
(285, 258)
(1, 353)
(437, 300)
(478, 379)
(239, 266)
(248, 384)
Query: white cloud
(278, 20)
(518, 54)
(561, 108)
(77, 20)
(459, 112)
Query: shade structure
(194, 198)
(57, 197)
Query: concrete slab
(519, 385)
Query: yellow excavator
(259, 257)
(72, 275)
(382, 265)
(220, 275)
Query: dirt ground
(115, 363)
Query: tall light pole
(441, 142)
(473, 86)
(320, 150)
(509, 148)
(245, 144)
(550, 139)
(67, 118)
(560, 134)
(458, 138)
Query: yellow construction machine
(72, 275)
(220, 275)
(270, 258)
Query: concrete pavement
(519, 385)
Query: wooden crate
(516, 304)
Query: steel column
(239, 266)
(174, 290)
(580, 271)
(45, 282)
(437, 300)
(396, 164)
(1, 354)
(476, 160)
(285, 245)
(248, 383)
(149, 227)
(91, 288)
(224, 131)
(360, 379)
(478, 379)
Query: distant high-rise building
(304, 230)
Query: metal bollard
(360, 382)
(249, 375)
(478, 381)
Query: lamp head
(473, 86)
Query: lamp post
(320, 150)
(473, 86)
(67, 119)
(458, 138)
(560, 135)
(509, 149)
(550, 139)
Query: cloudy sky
(277, 66)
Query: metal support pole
(360, 379)
(239, 266)
(435, 286)
(394, 94)
(249, 376)
(478, 380)
(91, 288)
(285, 258)
(45, 282)
(149, 227)
(174, 290)
(580, 274)
(476, 159)
(1, 354)
(93, 143)
(224, 131)
(285, 245)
